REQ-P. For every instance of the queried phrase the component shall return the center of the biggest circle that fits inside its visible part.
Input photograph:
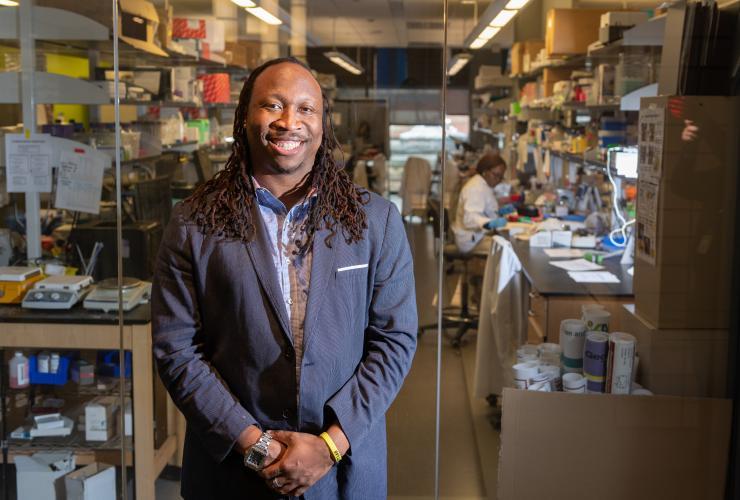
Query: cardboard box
(570, 31)
(561, 446)
(530, 50)
(679, 362)
(685, 236)
(95, 481)
(523, 53)
(516, 54)
(107, 113)
(552, 75)
(100, 418)
(623, 18)
(39, 476)
(243, 53)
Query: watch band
(256, 454)
(264, 441)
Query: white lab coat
(476, 206)
(502, 326)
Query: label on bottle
(21, 374)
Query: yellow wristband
(335, 455)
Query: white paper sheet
(28, 163)
(577, 265)
(80, 181)
(564, 253)
(593, 277)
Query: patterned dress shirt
(293, 269)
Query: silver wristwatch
(255, 456)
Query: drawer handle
(531, 313)
(533, 295)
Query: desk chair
(461, 317)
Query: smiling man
(284, 311)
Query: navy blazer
(223, 346)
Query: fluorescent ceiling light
(478, 43)
(263, 15)
(245, 3)
(489, 32)
(503, 18)
(8, 3)
(345, 62)
(458, 62)
(516, 4)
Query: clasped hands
(295, 461)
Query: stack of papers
(577, 265)
(583, 271)
(593, 277)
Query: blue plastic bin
(58, 378)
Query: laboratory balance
(104, 296)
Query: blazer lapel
(261, 254)
(322, 269)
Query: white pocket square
(350, 268)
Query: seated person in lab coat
(477, 210)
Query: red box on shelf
(188, 28)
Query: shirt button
(288, 354)
(289, 301)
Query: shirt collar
(266, 199)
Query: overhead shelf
(591, 107)
(579, 159)
(53, 24)
(67, 32)
(50, 88)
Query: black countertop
(550, 280)
(140, 315)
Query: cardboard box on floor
(678, 362)
(96, 481)
(688, 286)
(570, 31)
(562, 446)
(41, 475)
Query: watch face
(254, 459)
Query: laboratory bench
(554, 296)
(155, 441)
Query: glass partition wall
(112, 113)
(70, 413)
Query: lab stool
(461, 317)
